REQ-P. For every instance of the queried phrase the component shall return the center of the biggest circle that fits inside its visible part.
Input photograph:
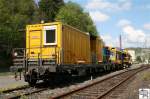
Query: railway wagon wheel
(32, 82)
(32, 78)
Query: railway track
(100, 89)
(17, 93)
(13, 89)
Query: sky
(128, 18)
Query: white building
(132, 53)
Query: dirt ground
(10, 82)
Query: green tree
(49, 8)
(74, 15)
(15, 14)
(138, 59)
(149, 58)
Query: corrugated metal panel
(96, 49)
(76, 46)
(99, 48)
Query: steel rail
(26, 94)
(14, 89)
(66, 94)
(22, 88)
(119, 84)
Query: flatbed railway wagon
(55, 49)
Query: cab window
(50, 35)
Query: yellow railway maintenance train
(54, 49)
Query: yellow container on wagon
(96, 49)
(126, 56)
(57, 41)
(99, 49)
(115, 56)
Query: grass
(6, 73)
(23, 97)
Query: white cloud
(124, 6)
(123, 22)
(98, 16)
(147, 26)
(106, 5)
(98, 4)
(134, 35)
(131, 37)
(109, 40)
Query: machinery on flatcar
(54, 49)
(126, 58)
(115, 58)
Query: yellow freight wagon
(57, 42)
(96, 49)
(115, 55)
(119, 57)
(99, 49)
(126, 58)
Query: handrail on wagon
(24, 50)
(21, 53)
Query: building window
(50, 36)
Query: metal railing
(23, 58)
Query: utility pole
(120, 41)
